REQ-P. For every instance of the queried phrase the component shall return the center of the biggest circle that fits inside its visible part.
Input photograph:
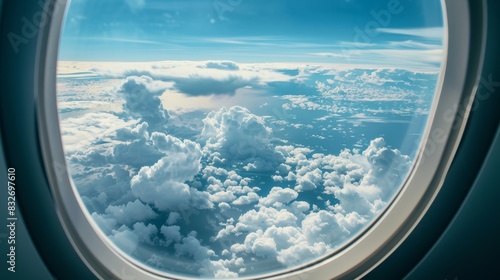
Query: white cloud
(261, 246)
(140, 131)
(278, 196)
(80, 132)
(125, 239)
(156, 261)
(145, 233)
(163, 184)
(191, 247)
(142, 100)
(264, 218)
(277, 178)
(292, 233)
(308, 179)
(130, 212)
(137, 153)
(223, 196)
(246, 199)
(388, 167)
(301, 252)
(128, 239)
(235, 135)
(171, 233)
(323, 226)
(292, 244)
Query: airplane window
(237, 138)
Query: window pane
(235, 138)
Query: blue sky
(248, 31)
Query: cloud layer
(248, 188)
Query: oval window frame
(354, 259)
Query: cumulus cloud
(146, 233)
(363, 183)
(191, 246)
(171, 233)
(142, 100)
(163, 184)
(323, 226)
(235, 135)
(140, 131)
(378, 85)
(308, 179)
(125, 239)
(190, 252)
(128, 239)
(279, 196)
(356, 187)
(300, 252)
(291, 244)
(263, 218)
(131, 212)
(360, 182)
(226, 187)
(250, 198)
(137, 153)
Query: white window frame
(354, 259)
